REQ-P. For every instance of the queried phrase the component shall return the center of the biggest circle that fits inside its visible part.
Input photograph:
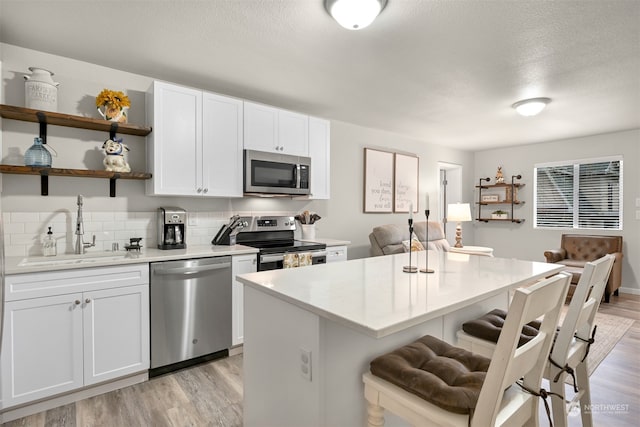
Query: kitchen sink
(71, 259)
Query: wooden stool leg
(375, 415)
(582, 377)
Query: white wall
(80, 82)
(525, 242)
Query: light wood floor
(211, 394)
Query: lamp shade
(354, 14)
(459, 212)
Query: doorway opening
(450, 192)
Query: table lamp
(459, 212)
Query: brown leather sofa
(576, 249)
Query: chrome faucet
(80, 244)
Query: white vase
(40, 91)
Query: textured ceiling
(445, 72)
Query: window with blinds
(579, 194)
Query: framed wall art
(406, 183)
(378, 181)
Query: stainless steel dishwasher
(190, 312)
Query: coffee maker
(172, 228)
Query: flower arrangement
(114, 103)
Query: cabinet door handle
(206, 190)
(88, 300)
(77, 302)
(199, 190)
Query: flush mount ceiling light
(354, 14)
(531, 107)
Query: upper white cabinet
(274, 130)
(319, 151)
(195, 148)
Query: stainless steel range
(274, 237)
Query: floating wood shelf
(517, 221)
(510, 197)
(68, 120)
(502, 202)
(45, 173)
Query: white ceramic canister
(40, 91)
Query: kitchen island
(314, 330)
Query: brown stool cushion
(447, 376)
(489, 326)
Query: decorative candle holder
(410, 268)
(426, 268)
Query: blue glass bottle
(37, 154)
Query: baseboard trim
(632, 291)
(11, 414)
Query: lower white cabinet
(336, 253)
(240, 264)
(65, 330)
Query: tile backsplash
(25, 231)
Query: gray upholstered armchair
(387, 239)
(576, 249)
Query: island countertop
(375, 297)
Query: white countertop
(375, 297)
(330, 242)
(16, 265)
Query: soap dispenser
(49, 245)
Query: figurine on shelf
(114, 160)
(499, 176)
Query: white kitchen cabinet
(195, 148)
(275, 130)
(116, 332)
(41, 348)
(240, 264)
(336, 253)
(70, 329)
(319, 151)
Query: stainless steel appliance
(190, 312)
(271, 173)
(273, 236)
(172, 228)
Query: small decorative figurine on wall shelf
(499, 176)
(114, 160)
(114, 104)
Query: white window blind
(579, 194)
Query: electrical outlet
(638, 202)
(305, 364)
(192, 219)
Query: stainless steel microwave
(272, 173)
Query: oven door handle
(280, 257)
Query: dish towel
(300, 259)
(304, 259)
(290, 260)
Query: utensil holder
(308, 231)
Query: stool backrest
(510, 362)
(583, 306)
